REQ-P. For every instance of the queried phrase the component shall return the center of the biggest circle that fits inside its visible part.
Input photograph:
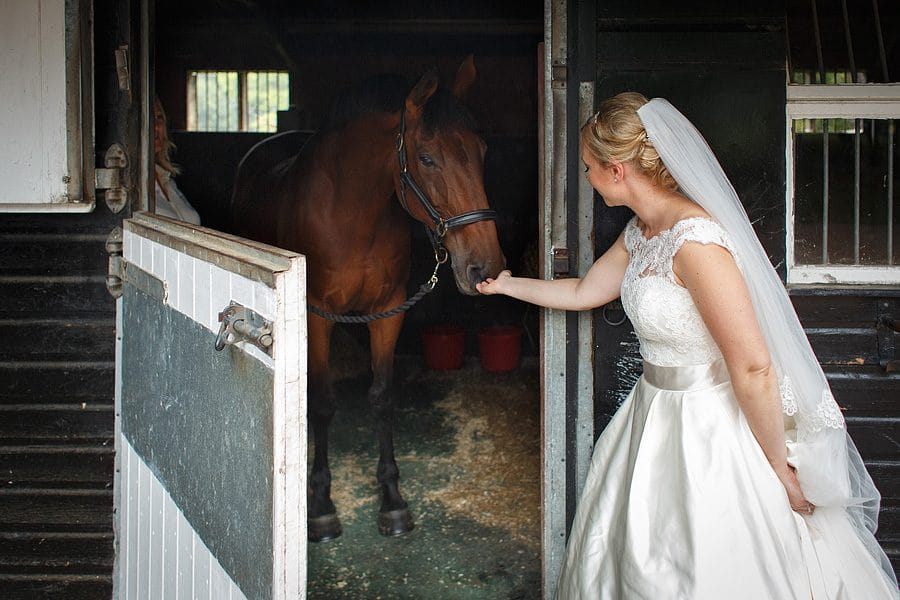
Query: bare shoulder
(697, 260)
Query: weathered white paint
(159, 555)
(847, 101)
(201, 290)
(36, 91)
(164, 540)
(289, 452)
(844, 101)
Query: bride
(727, 473)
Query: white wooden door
(210, 484)
(45, 86)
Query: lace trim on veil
(828, 414)
(788, 397)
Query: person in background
(170, 202)
(728, 472)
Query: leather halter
(441, 225)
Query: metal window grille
(236, 100)
(842, 173)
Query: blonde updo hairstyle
(615, 134)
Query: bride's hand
(798, 501)
(492, 286)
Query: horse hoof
(395, 522)
(323, 528)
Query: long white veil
(829, 467)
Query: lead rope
(440, 257)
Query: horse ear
(465, 77)
(415, 101)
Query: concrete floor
(468, 448)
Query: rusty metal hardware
(240, 324)
(561, 266)
(615, 307)
(122, 70)
(111, 179)
(886, 330)
(115, 276)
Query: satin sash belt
(686, 379)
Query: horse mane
(387, 93)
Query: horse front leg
(321, 516)
(394, 517)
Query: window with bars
(236, 100)
(843, 102)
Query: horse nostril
(474, 274)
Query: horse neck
(368, 144)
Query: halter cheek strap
(441, 225)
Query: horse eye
(426, 160)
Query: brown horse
(343, 201)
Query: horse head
(440, 179)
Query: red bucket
(443, 347)
(500, 347)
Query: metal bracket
(561, 267)
(240, 324)
(886, 328)
(115, 276)
(112, 178)
(122, 70)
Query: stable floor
(468, 447)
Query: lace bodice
(667, 323)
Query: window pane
(827, 175)
(213, 101)
(267, 93)
(216, 99)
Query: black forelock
(387, 93)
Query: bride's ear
(618, 171)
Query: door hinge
(241, 324)
(121, 272)
(112, 178)
(115, 275)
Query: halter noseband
(441, 225)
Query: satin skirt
(680, 502)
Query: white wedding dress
(680, 501)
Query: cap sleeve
(700, 230)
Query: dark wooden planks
(68, 586)
(88, 466)
(36, 552)
(55, 339)
(57, 372)
(56, 382)
(842, 328)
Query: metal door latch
(240, 324)
(561, 267)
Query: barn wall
(57, 332)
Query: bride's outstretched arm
(601, 284)
(717, 287)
